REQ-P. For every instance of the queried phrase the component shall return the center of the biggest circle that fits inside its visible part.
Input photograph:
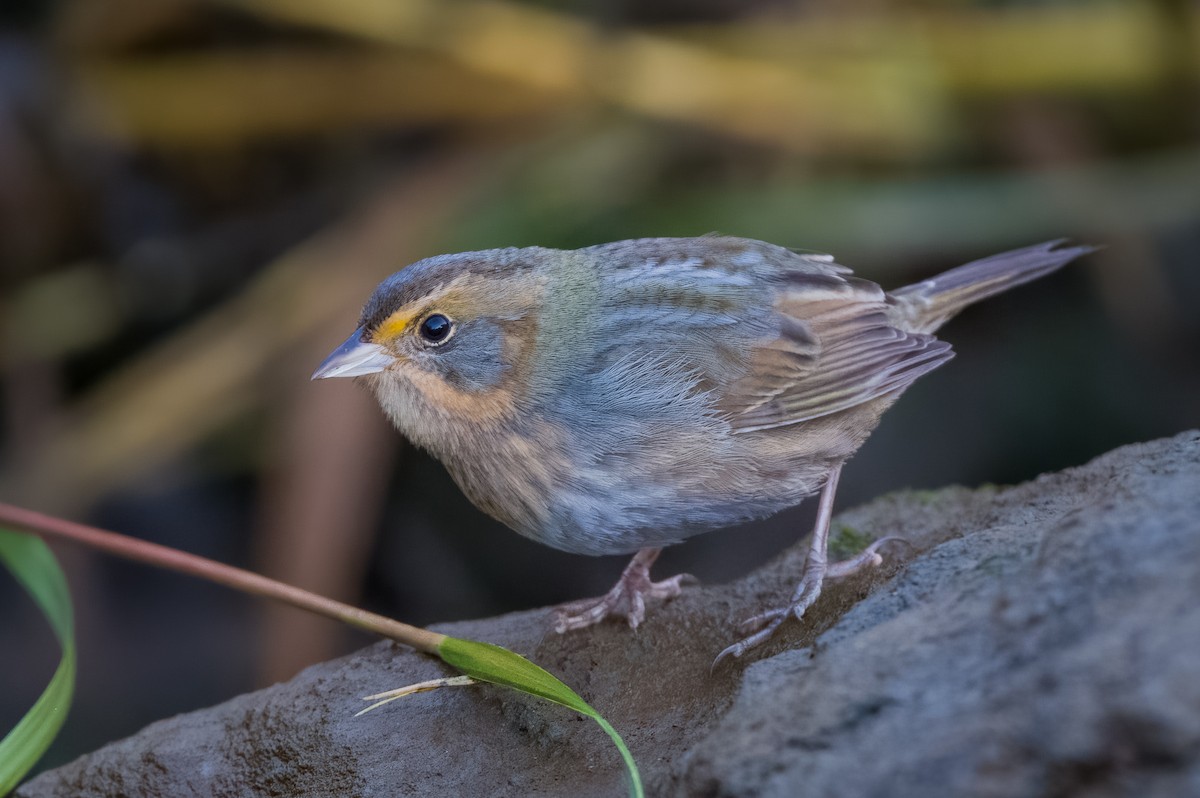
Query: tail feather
(927, 305)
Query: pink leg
(626, 599)
(816, 569)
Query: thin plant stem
(171, 559)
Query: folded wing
(835, 348)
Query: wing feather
(834, 349)
(828, 346)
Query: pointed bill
(354, 358)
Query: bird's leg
(627, 598)
(816, 569)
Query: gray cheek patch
(471, 360)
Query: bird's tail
(927, 305)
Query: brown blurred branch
(323, 489)
(105, 25)
(226, 98)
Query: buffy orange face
(626, 396)
(442, 340)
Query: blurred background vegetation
(196, 196)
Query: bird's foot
(627, 598)
(865, 559)
(762, 627)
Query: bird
(626, 396)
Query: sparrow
(624, 397)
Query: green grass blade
(35, 568)
(489, 663)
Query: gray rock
(1036, 640)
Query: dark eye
(436, 328)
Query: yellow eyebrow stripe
(393, 326)
(400, 320)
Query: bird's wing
(834, 348)
(828, 345)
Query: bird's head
(449, 342)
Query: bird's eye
(436, 329)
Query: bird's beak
(354, 358)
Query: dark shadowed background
(196, 197)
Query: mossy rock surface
(1042, 639)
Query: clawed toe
(867, 558)
(756, 622)
(582, 614)
(760, 628)
(768, 623)
(627, 598)
(669, 588)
